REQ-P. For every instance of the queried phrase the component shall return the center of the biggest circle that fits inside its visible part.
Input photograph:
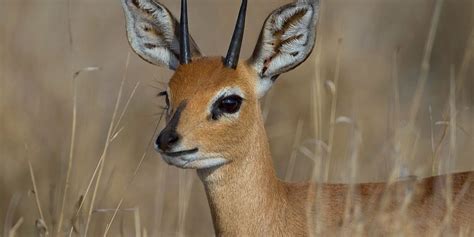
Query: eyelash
(167, 100)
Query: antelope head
(213, 102)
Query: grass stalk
(425, 64)
(452, 119)
(185, 185)
(333, 87)
(14, 229)
(36, 193)
(291, 163)
(135, 173)
(74, 118)
(15, 200)
(424, 72)
(136, 218)
(116, 130)
(71, 156)
(159, 200)
(106, 147)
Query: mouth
(181, 153)
(192, 159)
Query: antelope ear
(286, 41)
(153, 32)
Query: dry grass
(387, 94)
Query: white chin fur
(194, 162)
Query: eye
(226, 105)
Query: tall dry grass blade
(316, 93)
(106, 210)
(185, 184)
(138, 223)
(296, 142)
(460, 78)
(86, 193)
(135, 173)
(413, 149)
(452, 120)
(423, 77)
(41, 228)
(73, 141)
(425, 64)
(333, 88)
(317, 102)
(452, 153)
(74, 112)
(124, 111)
(396, 130)
(75, 217)
(120, 130)
(355, 143)
(107, 143)
(181, 202)
(438, 148)
(12, 232)
(403, 217)
(36, 194)
(14, 201)
(317, 99)
(396, 102)
(159, 200)
(466, 61)
(432, 141)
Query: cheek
(220, 136)
(217, 136)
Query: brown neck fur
(248, 183)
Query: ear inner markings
(277, 49)
(291, 22)
(286, 40)
(154, 33)
(279, 34)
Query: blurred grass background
(44, 42)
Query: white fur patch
(263, 85)
(196, 161)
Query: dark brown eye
(226, 105)
(230, 105)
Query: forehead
(206, 76)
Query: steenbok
(214, 125)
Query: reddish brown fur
(246, 197)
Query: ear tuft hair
(286, 40)
(153, 32)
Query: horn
(233, 54)
(185, 51)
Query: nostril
(157, 142)
(166, 140)
(173, 139)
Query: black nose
(167, 139)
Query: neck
(242, 193)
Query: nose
(167, 139)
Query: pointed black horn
(233, 54)
(184, 48)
